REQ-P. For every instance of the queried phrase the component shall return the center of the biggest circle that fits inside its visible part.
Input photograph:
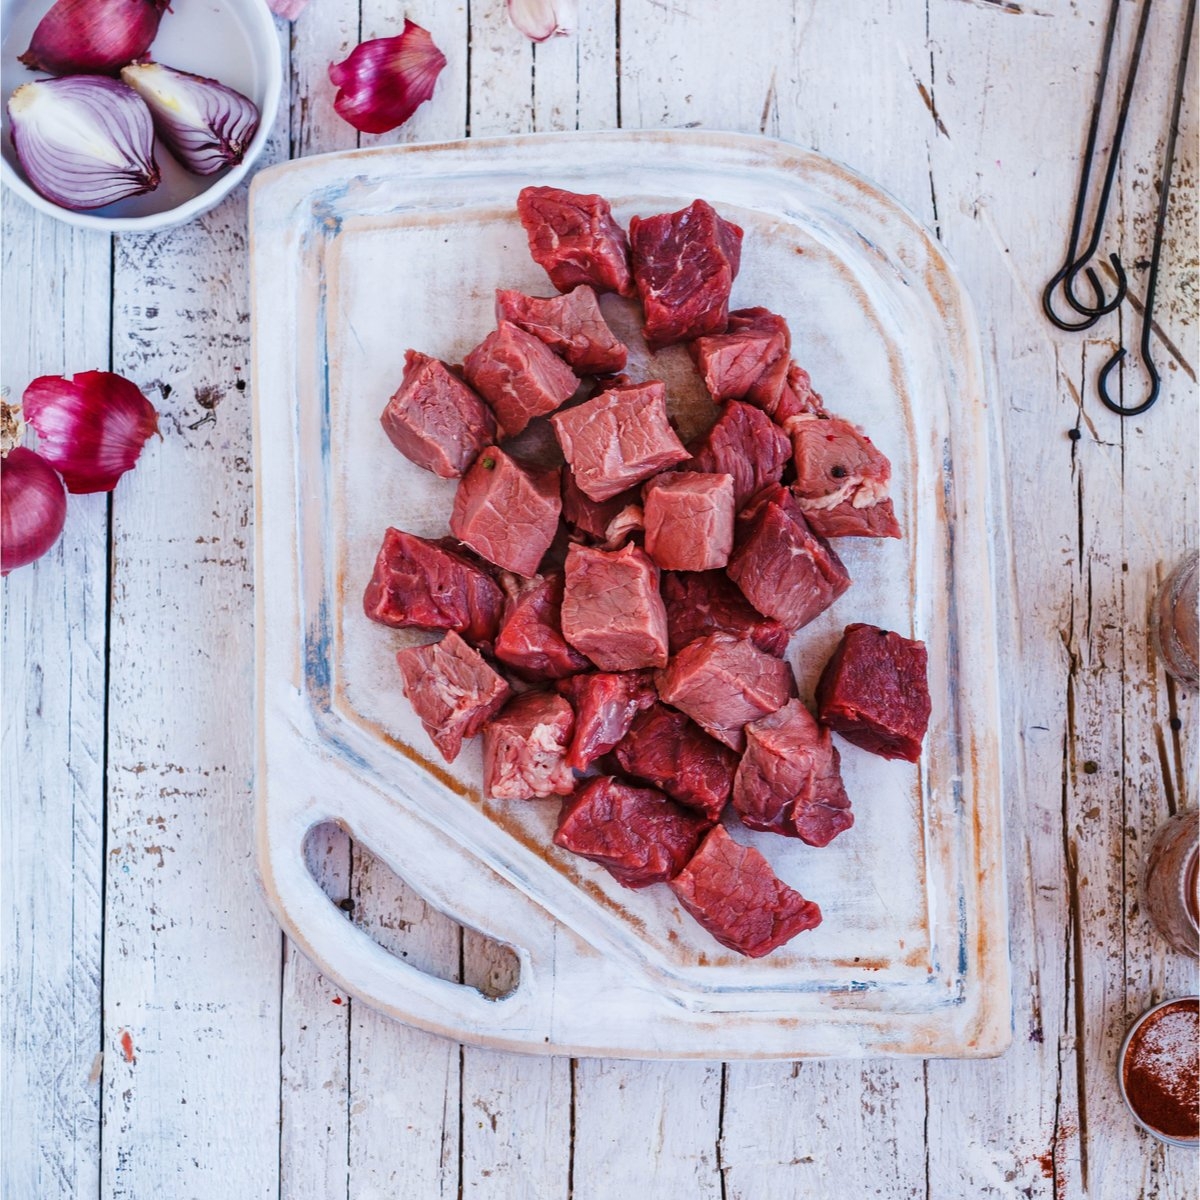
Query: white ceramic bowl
(234, 41)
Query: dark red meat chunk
(519, 376)
(842, 480)
(605, 705)
(636, 833)
(505, 513)
(612, 610)
(572, 326)
(419, 584)
(749, 361)
(875, 692)
(452, 690)
(689, 520)
(795, 400)
(723, 682)
(746, 444)
(618, 438)
(591, 518)
(435, 420)
(665, 748)
(732, 891)
(525, 748)
(530, 638)
(704, 602)
(784, 569)
(575, 239)
(789, 780)
(684, 264)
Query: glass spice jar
(1158, 1072)
(1169, 882)
(1175, 621)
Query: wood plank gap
(721, 1129)
(350, 999)
(1076, 937)
(571, 1137)
(925, 1124)
(467, 119)
(462, 1073)
(617, 59)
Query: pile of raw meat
(615, 627)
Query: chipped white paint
(1011, 85)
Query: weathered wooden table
(161, 1039)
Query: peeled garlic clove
(205, 124)
(84, 140)
(542, 19)
(384, 81)
(98, 36)
(91, 428)
(33, 508)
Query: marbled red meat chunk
(637, 834)
(704, 602)
(419, 584)
(796, 399)
(749, 361)
(789, 780)
(784, 569)
(875, 692)
(732, 891)
(689, 520)
(723, 682)
(667, 749)
(525, 748)
(435, 420)
(591, 518)
(745, 444)
(572, 326)
(842, 480)
(618, 438)
(684, 264)
(519, 376)
(612, 610)
(505, 513)
(630, 520)
(605, 705)
(452, 690)
(530, 638)
(575, 239)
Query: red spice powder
(1162, 1072)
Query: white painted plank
(52, 794)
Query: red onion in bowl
(98, 36)
(33, 508)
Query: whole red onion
(97, 36)
(33, 508)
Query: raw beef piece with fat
(703, 602)
(530, 639)
(749, 361)
(688, 517)
(575, 239)
(745, 444)
(571, 325)
(525, 748)
(605, 704)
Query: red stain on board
(337, 1000)
(1046, 1162)
(127, 1046)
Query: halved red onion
(93, 35)
(542, 19)
(83, 140)
(384, 81)
(33, 508)
(91, 428)
(205, 124)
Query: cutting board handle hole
(373, 897)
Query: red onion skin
(33, 508)
(90, 428)
(93, 36)
(384, 81)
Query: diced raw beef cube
(746, 444)
(525, 748)
(796, 399)
(842, 480)
(519, 376)
(435, 420)
(689, 520)
(530, 638)
(505, 513)
(705, 602)
(732, 891)
(667, 749)
(684, 264)
(618, 438)
(572, 326)
(784, 569)
(636, 833)
(747, 362)
(591, 518)
(452, 690)
(612, 610)
(789, 780)
(875, 692)
(605, 705)
(630, 520)
(575, 239)
(723, 682)
(418, 584)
